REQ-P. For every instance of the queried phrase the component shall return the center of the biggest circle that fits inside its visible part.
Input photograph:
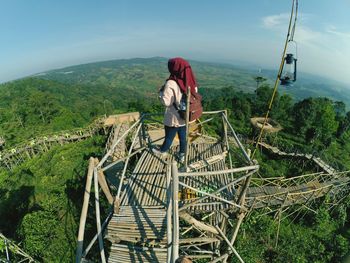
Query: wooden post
(241, 201)
(224, 126)
(110, 152)
(175, 250)
(98, 218)
(198, 224)
(224, 113)
(187, 125)
(229, 244)
(84, 210)
(240, 219)
(143, 133)
(7, 251)
(246, 156)
(104, 186)
(168, 214)
(126, 163)
(92, 242)
(278, 227)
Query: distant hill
(72, 96)
(148, 73)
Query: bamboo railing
(233, 195)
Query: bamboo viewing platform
(161, 209)
(318, 161)
(9, 158)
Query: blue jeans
(170, 133)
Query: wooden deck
(147, 184)
(318, 161)
(194, 209)
(138, 231)
(277, 196)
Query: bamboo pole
(235, 233)
(246, 156)
(241, 201)
(122, 159)
(168, 214)
(198, 224)
(175, 250)
(93, 240)
(278, 227)
(217, 191)
(227, 171)
(143, 132)
(226, 138)
(187, 125)
(110, 152)
(224, 126)
(126, 163)
(84, 210)
(211, 195)
(98, 218)
(212, 112)
(104, 187)
(6, 250)
(229, 244)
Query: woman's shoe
(181, 157)
(159, 153)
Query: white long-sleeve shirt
(170, 94)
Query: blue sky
(37, 35)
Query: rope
(295, 21)
(290, 36)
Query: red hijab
(180, 71)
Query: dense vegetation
(41, 199)
(313, 125)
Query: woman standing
(181, 78)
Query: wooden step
(205, 162)
(138, 224)
(136, 254)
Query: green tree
(315, 120)
(263, 96)
(44, 104)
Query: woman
(181, 77)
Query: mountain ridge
(209, 74)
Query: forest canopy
(41, 199)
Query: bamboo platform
(161, 209)
(138, 224)
(277, 196)
(136, 254)
(318, 161)
(138, 230)
(9, 158)
(147, 184)
(116, 131)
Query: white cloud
(331, 29)
(281, 20)
(275, 21)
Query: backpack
(196, 108)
